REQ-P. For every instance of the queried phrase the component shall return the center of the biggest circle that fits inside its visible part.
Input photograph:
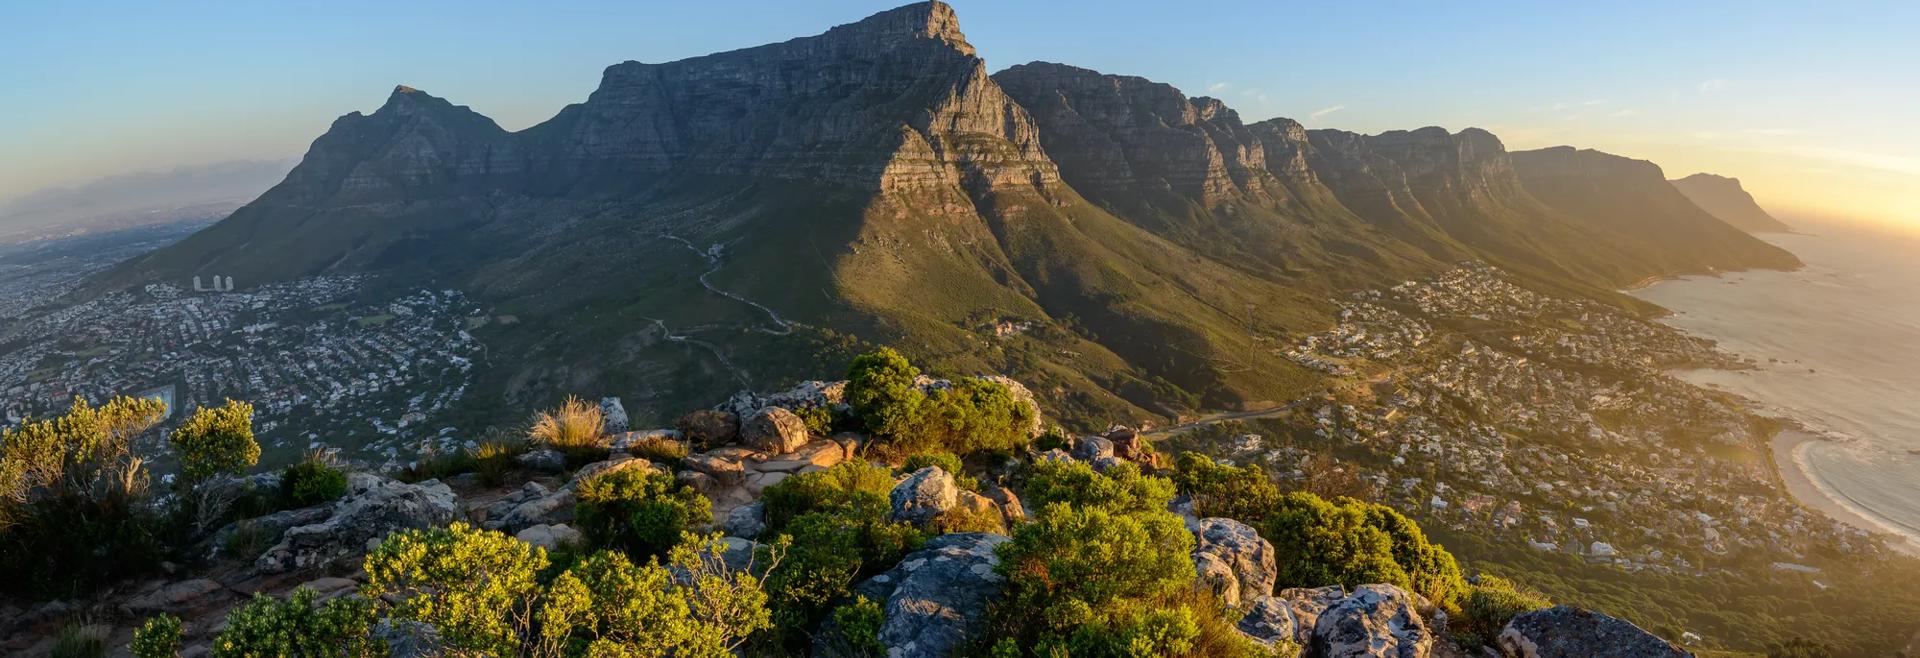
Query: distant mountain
(721, 220)
(1633, 200)
(1724, 198)
(137, 199)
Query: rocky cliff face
(1723, 198)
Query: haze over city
(1809, 104)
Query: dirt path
(712, 254)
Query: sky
(1811, 104)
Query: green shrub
(1486, 608)
(948, 462)
(472, 585)
(832, 549)
(80, 641)
(881, 390)
(215, 441)
(974, 414)
(1079, 577)
(1244, 494)
(819, 419)
(659, 449)
(1349, 542)
(818, 490)
(266, 626)
(638, 511)
(247, 541)
(159, 637)
(311, 482)
(856, 631)
(75, 509)
(1122, 488)
(493, 459)
(968, 519)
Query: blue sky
(1813, 105)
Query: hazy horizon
(1747, 92)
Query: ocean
(1838, 344)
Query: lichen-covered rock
(1376, 621)
(1092, 448)
(549, 537)
(1233, 560)
(544, 460)
(613, 416)
(924, 495)
(623, 441)
(725, 470)
(774, 430)
(935, 598)
(373, 507)
(746, 521)
(1010, 505)
(1570, 631)
(709, 428)
(1289, 615)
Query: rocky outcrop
(774, 430)
(549, 537)
(1566, 631)
(373, 507)
(746, 521)
(709, 428)
(1233, 561)
(1290, 615)
(924, 495)
(1376, 621)
(935, 598)
(613, 416)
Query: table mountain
(1723, 197)
(732, 219)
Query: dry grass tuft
(574, 426)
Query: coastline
(1786, 447)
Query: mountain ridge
(875, 180)
(1723, 197)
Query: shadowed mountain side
(1724, 198)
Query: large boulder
(549, 537)
(533, 504)
(373, 507)
(613, 416)
(1570, 631)
(709, 428)
(935, 598)
(774, 431)
(1289, 615)
(726, 470)
(807, 394)
(543, 460)
(1233, 561)
(924, 495)
(1376, 621)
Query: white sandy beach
(1787, 448)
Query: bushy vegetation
(1122, 488)
(493, 458)
(576, 427)
(75, 509)
(159, 637)
(80, 641)
(1245, 493)
(215, 441)
(299, 627)
(659, 449)
(1490, 602)
(1349, 542)
(838, 523)
(1104, 570)
(638, 510)
(312, 481)
(856, 631)
(480, 593)
(972, 414)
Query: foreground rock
(709, 428)
(774, 430)
(1376, 621)
(1233, 561)
(1566, 631)
(936, 597)
(924, 496)
(1290, 615)
(373, 507)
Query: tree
(298, 628)
(638, 511)
(1122, 488)
(1349, 542)
(215, 441)
(882, 392)
(75, 511)
(476, 587)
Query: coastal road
(1268, 412)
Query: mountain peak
(1725, 198)
(922, 20)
